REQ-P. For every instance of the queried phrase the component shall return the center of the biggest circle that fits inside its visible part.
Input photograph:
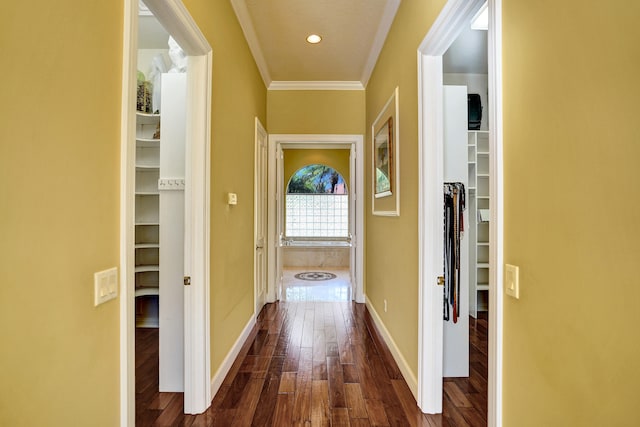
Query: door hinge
(440, 280)
(187, 280)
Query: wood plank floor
(314, 364)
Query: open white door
(175, 18)
(431, 249)
(260, 217)
(454, 15)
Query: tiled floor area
(337, 289)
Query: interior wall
(238, 96)
(571, 150)
(316, 111)
(391, 255)
(60, 165)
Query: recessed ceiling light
(314, 39)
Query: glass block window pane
(317, 215)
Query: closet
(159, 196)
(478, 159)
(147, 219)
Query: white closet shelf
(147, 118)
(147, 167)
(147, 245)
(483, 243)
(483, 153)
(146, 268)
(482, 287)
(482, 175)
(482, 265)
(147, 223)
(147, 193)
(142, 292)
(147, 142)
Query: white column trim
(127, 203)
(496, 223)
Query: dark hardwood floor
(314, 364)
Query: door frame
(455, 14)
(259, 130)
(176, 19)
(355, 143)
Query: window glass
(317, 203)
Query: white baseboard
(409, 376)
(224, 368)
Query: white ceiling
(467, 54)
(151, 35)
(353, 33)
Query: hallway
(322, 364)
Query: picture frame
(383, 160)
(385, 154)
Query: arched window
(317, 203)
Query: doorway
(453, 18)
(176, 20)
(337, 244)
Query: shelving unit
(478, 167)
(147, 219)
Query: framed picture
(385, 160)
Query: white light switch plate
(512, 280)
(105, 285)
(232, 198)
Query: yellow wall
(316, 112)
(571, 150)
(392, 242)
(239, 95)
(59, 203)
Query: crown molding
(240, 7)
(388, 16)
(316, 85)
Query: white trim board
(496, 208)
(402, 363)
(227, 363)
(315, 85)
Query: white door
(456, 331)
(260, 217)
(172, 232)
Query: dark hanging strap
(454, 205)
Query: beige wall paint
(239, 95)
(392, 242)
(316, 112)
(59, 203)
(571, 150)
